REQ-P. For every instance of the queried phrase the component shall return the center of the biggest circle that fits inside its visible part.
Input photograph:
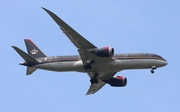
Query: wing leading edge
(78, 40)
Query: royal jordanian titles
(101, 64)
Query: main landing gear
(94, 78)
(87, 65)
(153, 68)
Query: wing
(96, 86)
(83, 45)
(78, 40)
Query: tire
(85, 67)
(152, 71)
(89, 66)
(94, 80)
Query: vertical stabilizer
(33, 50)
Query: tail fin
(27, 58)
(33, 50)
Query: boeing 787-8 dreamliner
(101, 64)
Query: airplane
(101, 64)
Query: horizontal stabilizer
(24, 55)
(30, 70)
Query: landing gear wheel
(94, 80)
(153, 68)
(95, 74)
(87, 66)
(152, 71)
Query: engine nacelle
(118, 81)
(104, 52)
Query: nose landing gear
(152, 71)
(153, 68)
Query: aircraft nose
(164, 63)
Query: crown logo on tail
(34, 51)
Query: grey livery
(101, 64)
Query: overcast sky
(129, 26)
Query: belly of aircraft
(115, 65)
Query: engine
(118, 81)
(104, 52)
